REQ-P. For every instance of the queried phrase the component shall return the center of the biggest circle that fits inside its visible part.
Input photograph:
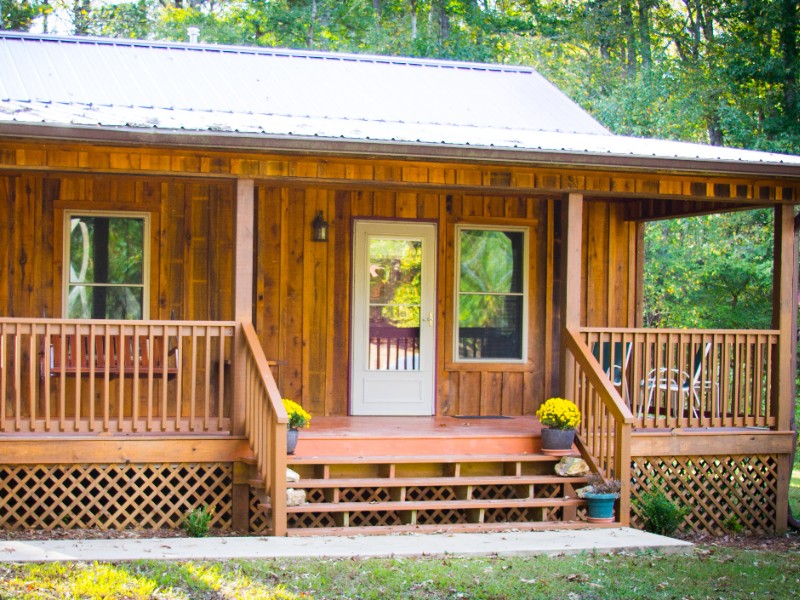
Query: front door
(393, 358)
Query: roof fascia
(304, 145)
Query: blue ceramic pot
(601, 507)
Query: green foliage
(198, 521)
(733, 525)
(713, 271)
(659, 514)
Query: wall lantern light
(319, 228)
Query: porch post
(572, 233)
(242, 311)
(784, 319)
(242, 292)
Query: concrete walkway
(460, 544)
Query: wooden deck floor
(409, 436)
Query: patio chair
(613, 358)
(682, 385)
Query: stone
(295, 497)
(571, 466)
(292, 476)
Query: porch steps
(428, 492)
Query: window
(491, 300)
(106, 258)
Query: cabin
(419, 252)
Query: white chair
(682, 385)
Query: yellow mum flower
(559, 413)
(297, 416)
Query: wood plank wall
(191, 264)
(302, 308)
(302, 289)
(608, 272)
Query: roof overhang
(390, 149)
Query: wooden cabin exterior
(122, 422)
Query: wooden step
(449, 528)
(339, 507)
(386, 482)
(422, 459)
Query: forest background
(721, 72)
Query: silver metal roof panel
(168, 88)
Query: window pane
(490, 327)
(491, 261)
(394, 304)
(125, 250)
(119, 302)
(81, 265)
(106, 250)
(123, 302)
(79, 302)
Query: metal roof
(168, 88)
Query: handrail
(114, 376)
(683, 378)
(266, 423)
(604, 433)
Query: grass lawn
(712, 572)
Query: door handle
(429, 320)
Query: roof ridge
(270, 51)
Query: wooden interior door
(393, 354)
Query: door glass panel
(395, 268)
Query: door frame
(397, 227)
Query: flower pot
(600, 507)
(291, 440)
(557, 442)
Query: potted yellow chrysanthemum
(560, 417)
(298, 418)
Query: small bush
(659, 514)
(197, 522)
(733, 525)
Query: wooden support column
(572, 240)
(784, 319)
(243, 312)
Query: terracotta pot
(557, 442)
(291, 440)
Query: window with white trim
(106, 259)
(491, 294)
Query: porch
(694, 413)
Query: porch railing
(136, 377)
(605, 429)
(690, 378)
(265, 425)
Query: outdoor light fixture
(319, 227)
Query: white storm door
(394, 300)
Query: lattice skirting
(113, 496)
(724, 493)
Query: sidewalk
(461, 544)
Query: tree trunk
(791, 63)
(645, 29)
(630, 35)
(413, 19)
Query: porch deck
(404, 436)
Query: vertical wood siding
(191, 258)
(303, 291)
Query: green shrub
(733, 525)
(659, 514)
(197, 522)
